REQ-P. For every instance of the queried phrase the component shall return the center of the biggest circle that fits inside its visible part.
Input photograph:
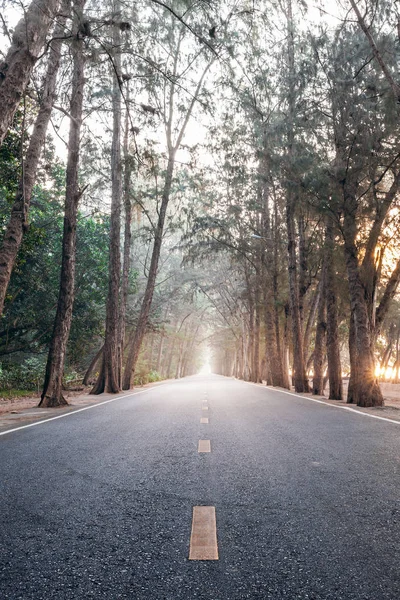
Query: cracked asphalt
(99, 504)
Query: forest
(199, 184)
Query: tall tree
(19, 213)
(109, 379)
(52, 389)
(332, 335)
(173, 144)
(27, 44)
(299, 368)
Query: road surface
(100, 504)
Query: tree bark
(160, 351)
(171, 356)
(52, 389)
(364, 386)
(27, 43)
(320, 335)
(310, 322)
(251, 328)
(353, 382)
(257, 324)
(92, 365)
(332, 339)
(19, 213)
(109, 379)
(127, 240)
(299, 371)
(274, 360)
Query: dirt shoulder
(15, 412)
(391, 394)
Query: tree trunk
(151, 281)
(140, 330)
(378, 56)
(286, 348)
(303, 272)
(353, 384)
(189, 351)
(257, 324)
(171, 356)
(127, 239)
(299, 371)
(109, 377)
(19, 213)
(397, 363)
(160, 350)
(92, 365)
(52, 389)
(365, 388)
(27, 44)
(319, 346)
(332, 339)
(274, 360)
(251, 328)
(310, 323)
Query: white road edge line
(73, 412)
(353, 410)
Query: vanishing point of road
(284, 498)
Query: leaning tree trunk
(18, 219)
(109, 375)
(52, 389)
(27, 44)
(93, 362)
(332, 333)
(140, 330)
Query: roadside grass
(10, 394)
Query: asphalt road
(99, 504)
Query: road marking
(73, 412)
(353, 410)
(204, 446)
(204, 407)
(203, 540)
(204, 420)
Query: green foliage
(26, 326)
(10, 161)
(142, 377)
(22, 376)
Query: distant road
(303, 500)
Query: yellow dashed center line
(204, 420)
(203, 541)
(204, 446)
